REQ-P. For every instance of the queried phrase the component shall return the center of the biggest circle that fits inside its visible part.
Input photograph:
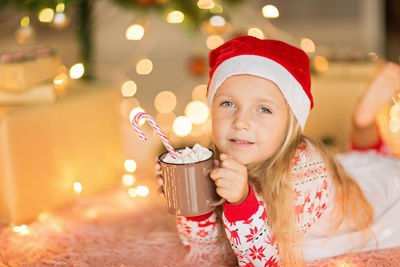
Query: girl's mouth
(241, 142)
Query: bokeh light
(213, 41)
(60, 79)
(205, 4)
(175, 17)
(22, 229)
(60, 7)
(144, 66)
(320, 63)
(256, 32)
(270, 11)
(76, 71)
(199, 92)
(307, 45)
(128, 179)
(128, 88)
(25, 21)
(77, 187)
(134, 32)
(217, 21)
(142, 190)
(132, 192)
(134, 112)
(182, 126)
(217, 9)
(197, 112)
(165, 101)
(130, 165)
(46, 15)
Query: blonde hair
(273, 182)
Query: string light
(182, 126)
(217, 21)
(270, 11)
(165, 101)
(128, 88)
(22, 229)
(128, 179)
(78, 187)
(205, 4)
(307, 45)
(134, 32)
(197, 112)
(175, 17)
(76, 71)
(130, 165)
(321, 64)
(25, 21)
(256, 32)
(142, 190)
(60, 8)
(46, 15)
(144, 66)
(60, 80)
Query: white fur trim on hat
(265, 68)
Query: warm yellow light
(130, 165)
(128, 88)
(270, 11)
(394, 124)
(60, 7)
(144, 66)
(44, 216)
(78, 187)
(60, 79)
(134, 112)
(132, 192)
(321, 63)
(128, 179)
(217, 21)
(256, 32)
(307, 45)
(213, 41)
(22, 230)
(205, 4)
(165, 101)
(199, 92)
(91, 213)
(76, 71)
(217, 9)
(25, 21)
(142, 190)
(182, 126)
(134, 32)
(197, 112)
(46, 15)
(175, 17)
(395, 111)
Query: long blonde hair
(272, 181)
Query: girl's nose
(242, 121)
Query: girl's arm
(200, 232)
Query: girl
(287, 198)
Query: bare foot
(380, 92)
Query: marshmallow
(189, 155)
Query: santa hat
(285, 65)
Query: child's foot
(380, 92)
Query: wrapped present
(50, 154)
(21, 70)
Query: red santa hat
(285, 65)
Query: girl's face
(249, 118)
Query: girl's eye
(264, 110)
(227, 104)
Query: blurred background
(74, 72)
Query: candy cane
(156, 128)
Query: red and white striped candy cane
(156, 128)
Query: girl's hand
(231, 180)
(157, 168)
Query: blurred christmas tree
(195, 12)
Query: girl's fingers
(160, 180)
(161, 192)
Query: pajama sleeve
(200, 232)
(246, 226)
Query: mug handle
(218, 202)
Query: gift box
(51, 154)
